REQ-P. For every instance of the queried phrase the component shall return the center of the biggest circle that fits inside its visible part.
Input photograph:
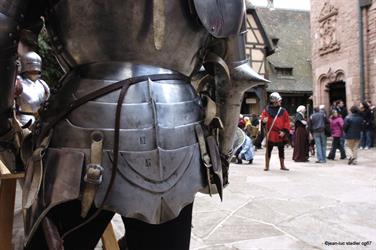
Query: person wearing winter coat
(317, 123)
(336, 126)
(352, 128)
(367, 129)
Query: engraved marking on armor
(148, 163)
(143, 140)
(159, 23)
(132, 167)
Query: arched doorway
(337, 91)
(333, 87)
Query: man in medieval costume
(125, 131)
(277, 122)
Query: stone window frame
(284, 72)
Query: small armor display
(32, 91)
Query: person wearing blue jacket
(246, 152)
(352, 128)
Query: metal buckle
(94, 174)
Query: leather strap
(93, 171)
(271, 127)
(34, 170)
(204, 154)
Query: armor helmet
(31, 61)
(275, 97)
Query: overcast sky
(286, 4)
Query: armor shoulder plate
(221, 18)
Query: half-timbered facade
(258, 47)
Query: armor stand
(8, 183)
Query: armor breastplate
(32, 96)
(159, 162)
(162, 33)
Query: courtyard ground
(312, 206)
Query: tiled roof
(292, 29)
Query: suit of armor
(125, 120)
(32, 91)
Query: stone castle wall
(335, 49)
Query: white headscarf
(301, 109)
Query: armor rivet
(45, 105)
(97, 136)
(148, 163)
(143, 140)
(10, 34)
(213, 28)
